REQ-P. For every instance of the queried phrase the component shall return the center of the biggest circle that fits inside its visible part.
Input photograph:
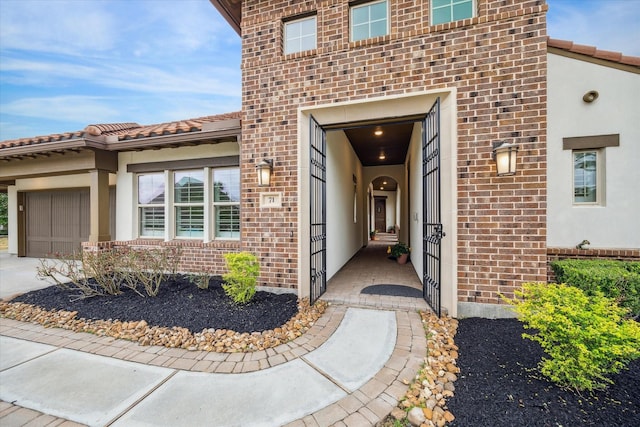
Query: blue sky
(67, 64)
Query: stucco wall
(344, 237)
(614, 224)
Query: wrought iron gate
(432, 232)
(318, 196)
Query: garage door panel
(65, 216)
(56, 222)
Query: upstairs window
(300, 35)
(369, 20)
(443, 11)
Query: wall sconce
(590, 96)
(505, 155)
(265, 169)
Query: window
(226, 202)
(585, 177)
(369, 20)
(300, 35)
(151, 205)
(188, 200)
(451, 10)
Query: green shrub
(586, 337)
(615, 279)
(240, 281)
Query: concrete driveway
(19, 275)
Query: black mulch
(499, 386)
(392, 290)
(179, 303)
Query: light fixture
(505, 155)
(384, 182)
(378, 132)
(382, 156)
(590, 96)
(265, 169)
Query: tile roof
(594, 52)
(124, 131)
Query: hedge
(619, 280)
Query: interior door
(380, 207)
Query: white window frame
(298, 41)
(363, 5)
(141, 206)
(170, 206)
(214, 205)
(450, 6)
(600, 181)
(176, 205)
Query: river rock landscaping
(180, 316)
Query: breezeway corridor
(372, 266)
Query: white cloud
(70, 27)
(82, 109)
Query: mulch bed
(179, 303)
(499, 384)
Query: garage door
(56, 222)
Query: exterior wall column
(99, 206)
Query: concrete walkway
(350, 369)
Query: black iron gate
(318, 196)
(432, 232)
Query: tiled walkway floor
(371, 266)
(363, 407)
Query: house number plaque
(271, 200)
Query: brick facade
(195, 256)
(497, 62)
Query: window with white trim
(226, 203)
(188, 201)
(369, 20)
(443, 11)
(200, 203)
(300, 35)
(151, 189)
(587, 181)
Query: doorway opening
(346, 202)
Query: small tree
(4, 213)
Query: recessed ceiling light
(384, 182)
(382, 156)
(378, 132)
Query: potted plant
(372, 234)
(400, 251)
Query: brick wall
(555, 254)
(195, 256)
(497, 62)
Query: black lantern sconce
(265, 170)
(506, 156)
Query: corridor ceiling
(392, 144)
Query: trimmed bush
(240, 281)
(615, 279)
(586, 337)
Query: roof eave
(227, 13)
